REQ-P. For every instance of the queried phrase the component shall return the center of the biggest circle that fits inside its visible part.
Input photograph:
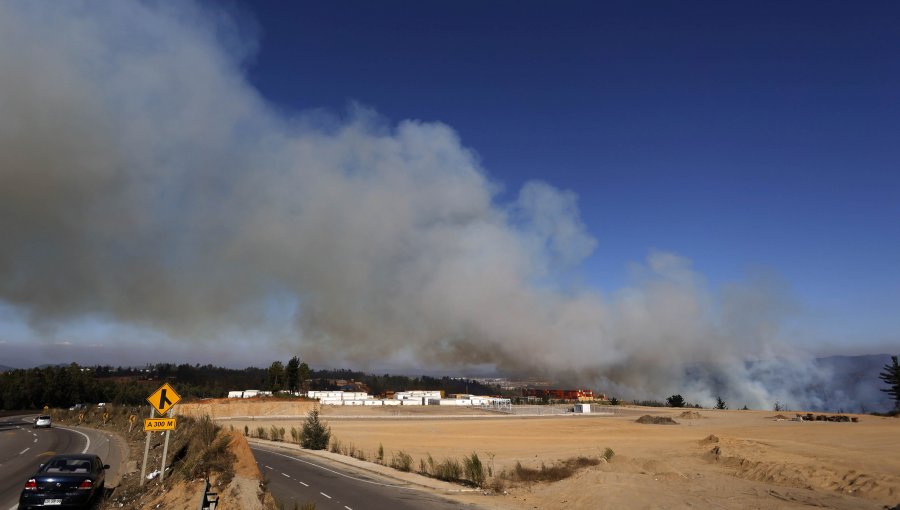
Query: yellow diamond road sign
(163, 399)
(154, 424)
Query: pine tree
(720, 404)
(292, 374)
(303, 373)
(315, 434)
(276, 376)
(891, 377)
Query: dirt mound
(779, 417)
(712, 438)
(656, 420)
(761, 466)
(690, 415)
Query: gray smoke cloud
(145, 182)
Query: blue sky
(195, 181)
(747, 137)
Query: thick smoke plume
(145, 182)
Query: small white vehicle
(42, 421)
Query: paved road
(22, 449)
(332, 486)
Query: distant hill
(4, 368)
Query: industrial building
(407, 398)
(553, 394)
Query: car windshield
(43, 417)
(68, 466)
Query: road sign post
(146, 451)
(161, 401)
(162, 468)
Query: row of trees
(66, 385)
(294, 377)
(63, 386)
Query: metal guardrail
(210, 500)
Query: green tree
(675, 401)
(304, 375)
(891, 377)
(276, 376)
(315, 434)
(292, 374)
(720, 404)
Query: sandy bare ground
(753, 461)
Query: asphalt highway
(23, 449)
(305, 479)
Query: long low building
(249, 394)
(407, 398)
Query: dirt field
(751, 460)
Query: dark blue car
(65, 481)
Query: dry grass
(558, 471)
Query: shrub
(558, 471)
(262, 433)
(380, 457)
(295, 435)
(474, 470)
(675, 401)
(246, 430)
(608, 454)
(401, 461)
(315, 434)
(450, 470)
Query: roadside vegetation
(198, 449)
(470, 470)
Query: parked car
(65, 481)
(42, 421)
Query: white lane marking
(347, 507)
(267, 467)
(35, 440)
(88, 445)
(338, 472)
(25, 450)
(326, 495)
(285, 474)
(303, 484)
